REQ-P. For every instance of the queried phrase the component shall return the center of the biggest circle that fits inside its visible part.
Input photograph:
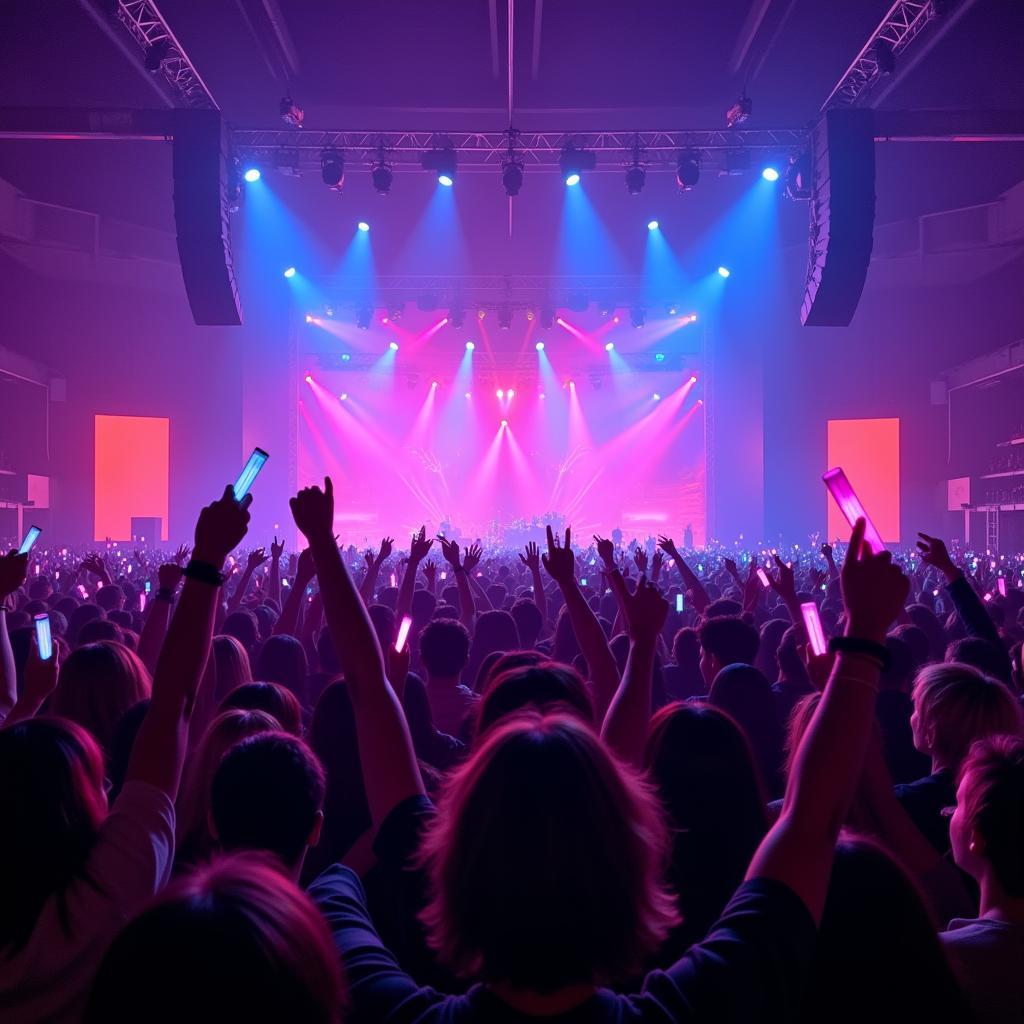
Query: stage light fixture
(289, 272)
(469, 394)
(309, 379)
(433, 384)
(724, 271)
(604, 309)
(511, 393)
(739, 112)
(332, 168)
(363, 226)
(395, 311)
(652, 225)
(616, 319)
(688, 171)
(470, 346)
(637, 316)
(609, 346)
(364, 315)
(798, 177)
(156, 54)
(500, 393)
(542, 395)
(530, 314)
(547, 318)
(539, 346)
(656, 396)
(382, 177)
(636, 178)
(504, 423)
(252, 174)
(444, 162)
(512, 177)
(291, 113)
(481, 313)
(309, 318)
(456, 317)
(693, 378)
(659, 357)
(574, 161)
(673, 309)
(504, 317)
(345, 357)
(770, 173)
(393, 346)
(344, 396)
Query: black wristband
(459, 568)
(855, 645)
(164, 594)
(203, 572)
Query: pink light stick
(850, 505)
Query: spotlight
(344, 396)
(798, 177)
(542, 395)
(724, 271)
(433, 384)
(332, 168)
(309, 318)
(770, 174)
(329, 312)
(289, 272)
(500, 393)
(252, 174)
(572, 384)
(656, 396)
(636, 177)
(469, 394)
(504, 423)
(739, 112)
(659, 357)
(363, 226)
(504, 317)
(382, 177)
(291, 113)
(688, 171)
(638, 316)
(444, 162)
(309, 379)
(609, 346)
(573, 161)
(456, 317)
(693, 378)
(616, 319)
(512, 177)
(393, 346)
(539, 346)
(547, 318)
(470, 346)
(345, 357)
(395, 312)
(530, 315)
(481, 313)
(652, 225)
(511, 393)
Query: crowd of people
(583, 782)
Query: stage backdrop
(627, 450)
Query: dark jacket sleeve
(976, 619)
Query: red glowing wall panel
(869, 451)
(131, 473)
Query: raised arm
(698, 595)
(274, 576)
(467, 609)
(604, 672)
(373, 564)
(784, 584)
(419, 548)
(256, 558)
(13, 568)
(159, 750)
(532, 562)
(470, 560)
(833, 569)
(291, 613)
(158, 614)
(390, 773)
(798, 850)
(625, 724)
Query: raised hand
(305, 568)
(785, 584)
(13, 568)
(874, 590)
(430, 571)
(645, 611)
(656, 563)
(419, 546)
(369, 558)
(313, 510)
(168, 576)
(560, 561)
(276, 549)
(934, 552)
(256, 558)
(532, 557)
(826, 550)
(471, 559)
(450, 550)
(387, 545)
(730, 568)
(93, 565)
(668, 545)
(181, 555)
(640, 557)
(221, 527)
(605, 551)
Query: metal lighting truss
(897, 30)
(484, 151)
(142, 18)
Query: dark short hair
(444, 647)
(544, 684)
(994, 805)
(265, 795)
(278, 702)
(980, 653)
(730, 640)
(529, 620)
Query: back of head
(110, 597)
(723, 607)
(878, 950)
(981, 654)
(383, 619)
(730, 640)
(497, 664)
(282, 659)
(990, 805)
(917, 643)
(98, 630)
(495, 631)
(529, 621)
(900, 670)
(444, 648)
(243, 626)
(267, 793)
(772, 633)
(565, 647)
(273, 698)
(98, 683)
(928, 622)
(232, 664)
(422, 608)
(51, 805)
(233, 941)
(956, 705)
(746, 696)
(790, 663)
(79, 616)
(533, 687)
(686, 648)
(528, 835)
(497, 595)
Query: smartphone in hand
(30, 539)
(44, 639)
